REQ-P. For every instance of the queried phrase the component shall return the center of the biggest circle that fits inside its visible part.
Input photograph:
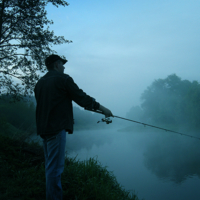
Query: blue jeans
(54, 152)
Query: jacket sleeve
(79, 96)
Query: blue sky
(120, 47)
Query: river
(154, 165)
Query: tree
(172, 101)
(20, 114)
(192, 106)
(135, 113)
(162, 99)
(25, 41)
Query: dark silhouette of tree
(25, 41)
(20, 114)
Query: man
(54, 94)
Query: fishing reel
(107, 120)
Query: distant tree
(160, 100)
(172, 101)
(191, 106)
(25, 41)
(135, 113)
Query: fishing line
(108, 121)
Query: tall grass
(88, 180)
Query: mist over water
(154, 164)
(179, 155)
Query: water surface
(156, 165)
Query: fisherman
(54, 93)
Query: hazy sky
(120, 47)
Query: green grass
(23, 175)
(91, 181)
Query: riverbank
(23, 174)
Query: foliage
(20, 114)
(25, 41)
(22, 170)
(23, 175)
(173, 101)
(135, 113)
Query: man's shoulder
(55, 74)
(49, 76)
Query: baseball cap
(53, 58)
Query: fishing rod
(108, 121)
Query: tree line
(170, 102)
(20, 114)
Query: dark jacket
(54, 94)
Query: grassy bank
(23, 174)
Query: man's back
(54, 105)
(54, 94)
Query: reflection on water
(155, 165)
(173, 157)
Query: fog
(141, 60)
(120, 48)
(154, 164)
(126, 55)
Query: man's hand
(106, 111)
